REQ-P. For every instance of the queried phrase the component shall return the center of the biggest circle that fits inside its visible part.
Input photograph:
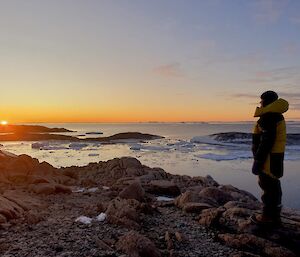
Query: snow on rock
(84, 220)
(164, 199)
(92, 189)
(106, 188)
(101, 217)
(78, 190)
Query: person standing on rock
(268, 146)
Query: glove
(257, 167)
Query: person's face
(261, 103)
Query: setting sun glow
(4, 122)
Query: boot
(264, 220)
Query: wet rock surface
(55, 212)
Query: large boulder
(125, 166)
(216, 194)
(163, 187)
(23, 170)
(133, 191)
(9, 210)
(258, 245)
(124, 212)
(137, 245)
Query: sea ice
(77, 146)
(84, 220)
(225, 157)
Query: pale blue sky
(146, 60)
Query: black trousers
(271, 196)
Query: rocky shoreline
(45, 136)
(115, 208)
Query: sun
(4, 122)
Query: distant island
(41, 133)
(18, 129)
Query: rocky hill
(123, 208)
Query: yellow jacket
(269, 138)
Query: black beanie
(269, 97)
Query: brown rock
(163, 187)
(43, 188)
(133, 191)
(186, 197)
(62, 189)
(24, 200)
(210, 217)
(9, 209)
(169, 241)
(259, 245)
(196, 207)
(124, 212)
(217, 194)
(137, 245)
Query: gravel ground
(59, 235)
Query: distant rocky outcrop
(246, 138)
(21, 129)
(205, 219)
(117, 138)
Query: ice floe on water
(225, 157)
(144, 147)
(78, 146)
(47, 146)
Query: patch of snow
(164, 199)
(106, 188)
(84, 220)
(78, 190)
(92, 189)
(101, 217)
